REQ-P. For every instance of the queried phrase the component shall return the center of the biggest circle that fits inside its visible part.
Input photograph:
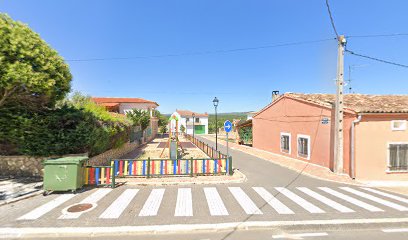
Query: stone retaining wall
(103, 159)
(21, 166)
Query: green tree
(163, 129)
(139, 118)
(31, 72)
(182, 128)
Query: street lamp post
(193, 124)
(215, 102)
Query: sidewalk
(291, 163)
(14, 189)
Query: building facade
(301, 126)
(190, 119)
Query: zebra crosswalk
(222, 201)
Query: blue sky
(242, 80)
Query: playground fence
(99, 176)
(169, 167)
(210, 151)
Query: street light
(193, 124)
(215, 102)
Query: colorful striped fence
(210, 151)
(168, 167)
(99, 176)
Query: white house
(188, 119)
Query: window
(197, 120)
(285, 142)
(303, 146)
(398, 157)
(187, 119)
(399, 125)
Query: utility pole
(339, 108)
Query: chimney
(275, 95)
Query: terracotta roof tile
(121, 100)
(360, 103)
(187, 113)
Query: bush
(65, 130)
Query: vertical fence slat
(125, 170)
(103, 175)
(144, 168)
(120, 168)
(116, 168)
(107, 176)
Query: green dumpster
(64, 174)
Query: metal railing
(210, 151)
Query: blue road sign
(227, 126)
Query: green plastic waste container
(64, 174)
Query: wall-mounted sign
(325, 120)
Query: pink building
(301, 126)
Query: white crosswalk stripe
(375, 199)
(271, 200)
(43, 209)
(92, 199)
(184, 204)
(300, 201)
(352, 200)
(401, 199)
(120, 204)
(325, 200)
(214, 201)
(246, 203)
(152, 204)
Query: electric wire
(203, 52)
(378, 35)
(377, 59)
(331, 19)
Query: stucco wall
(300, 118)
(203, 121)
(373, 134)
(129, 106)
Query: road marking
(43, 232)
(395, 230)
(184, 204)
(300, 201)
(47, 207)
(92, 199)
(119, 205)
(299, 235)
(352, 200)
(386, 194)
(152, 203)
(271, 200)
(214, 201)
(375, 199)
(246, 203)
(325, 200)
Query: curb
(180, 228)
(356, 183)
(28, 195)
(241, 178)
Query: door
(199, 129)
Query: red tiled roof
(101, 100)
(109, 104)
(187, 113)
(360, 103)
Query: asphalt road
(272, 195)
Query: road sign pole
(227, 146)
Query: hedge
(65, 130)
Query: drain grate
(79, 207)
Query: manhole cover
(80, 207)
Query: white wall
(123, 107)
(203, 121)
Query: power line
(201, 52)
(377, 59)
(378, 35)
(331, 19)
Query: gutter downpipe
(353, 170)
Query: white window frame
(388, 158)
(290, 141)
(308, 146)
(403, 128)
